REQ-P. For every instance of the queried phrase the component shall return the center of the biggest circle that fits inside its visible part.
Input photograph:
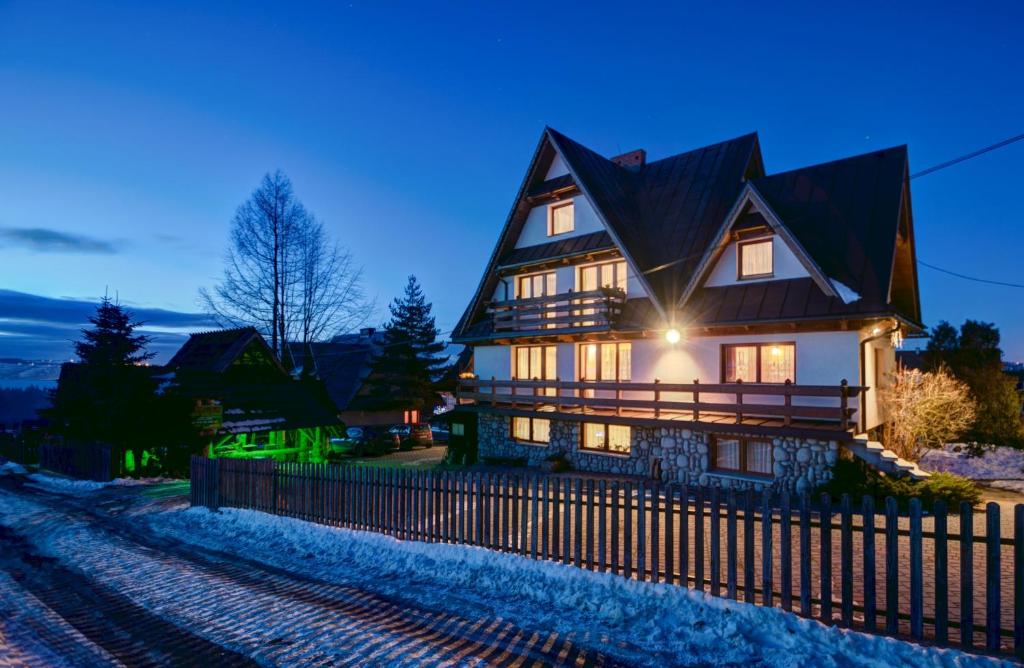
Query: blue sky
(132, 131)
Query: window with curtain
(535, 363)
(537, 285)
(606, 361)
(759, 362)
(606, 437)
(741, 455)
(604, 275)
(531, 430)
(755, 259)
(561, 218)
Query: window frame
(551, 217)
(740, 245)
(598, 265)
(531, 440)
(743, 469)
(581, 361)
(543, 361)
(519, 278)
(758, 345)
(607, 447)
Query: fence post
(846, 560)
(916, 588)
(767, 594)
(739, 401)
(786, 551)
(892, 565)
(844, 401)
(870, 607)
(1018, 579)
(696, 399)
(657, 397)
(748, 547)
(992, 576)
(825, 543)
(966, 575)
(805, 554)
(716, 545)
(730, 545)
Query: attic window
(755, 259)
(560, 218)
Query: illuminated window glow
(561, 218)
(755, 259)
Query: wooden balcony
(825, 410)
(574, 311)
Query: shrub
(857, 479)
(924, 410)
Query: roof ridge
(874, 153)
(701, 148)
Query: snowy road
(117, 593)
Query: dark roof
(845, 214)
(342, 364)
(665, 215)
(584, 243)
(766, 301)
(216, 350)
(668, 210)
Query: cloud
(37, 327)
(43, 240)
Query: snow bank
(12, 468)
(996, 463)
(71, 485)
(641, 623)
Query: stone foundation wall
(681, 454)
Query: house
(245, 403)
(344, 364)
(693, 318)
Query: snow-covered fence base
(948, 578)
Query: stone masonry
(799, 464)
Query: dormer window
(754, 259)
(560, 218)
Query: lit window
(458, 429)
(536, 363)
(606, 361)
(607, 437)
(536, 285)
(742, 455)
(755, 259)
(560, 218)
(605, 275)
(531, 430)
(759, 363)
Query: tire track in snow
(275, 616)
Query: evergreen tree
(403, 374)
(112, 339)
(973, 355)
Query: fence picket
(868, 544)
(615, 526)
(916, 582)
(566, 520)
(992, 576)
(627, 536)
(748, 547)
(534, 515)
(786, 551)
(1018, 579)
(670, 519)
(545, 517)
(655, 532)
(684, 536)
(602, 527)
(846, 560)
(825, 543)
(767, 594)
(698, 540)
(577, 522)
(892, 574)
(966, 575)
(805, 555)
(641, 531)
(716, 547)
(730, 545)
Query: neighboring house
(693, 318)
(344, 364)
(245, 402)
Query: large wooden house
(693, 318)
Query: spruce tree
(112, 339)
(404, 372)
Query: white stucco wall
(785, 265)
(887, 356)
(557, 168)
(535, 229)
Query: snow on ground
(996, 463)
(71, 485)
(12, 468)
(661, 624)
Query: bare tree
(925, 410)
(282, 275)
(331, 293)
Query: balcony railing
(567, 310)
(759, 404)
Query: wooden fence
(89, 461)
(935, 577)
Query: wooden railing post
(657, 398)
(696, 400)
(788, 418)
(494, 392)
(618, 400)
(739, 401)
(844, 395)
(536, 393)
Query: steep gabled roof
(847, 215)
(343, 364)
(217, 350)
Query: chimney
(632, 160)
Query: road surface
(120, 595)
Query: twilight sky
(129, 133)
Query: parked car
(419, 435)
(361, 441)
(439, 432)
(400, 430)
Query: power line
(967, 156)
(969, 278)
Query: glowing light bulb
(672, 336)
